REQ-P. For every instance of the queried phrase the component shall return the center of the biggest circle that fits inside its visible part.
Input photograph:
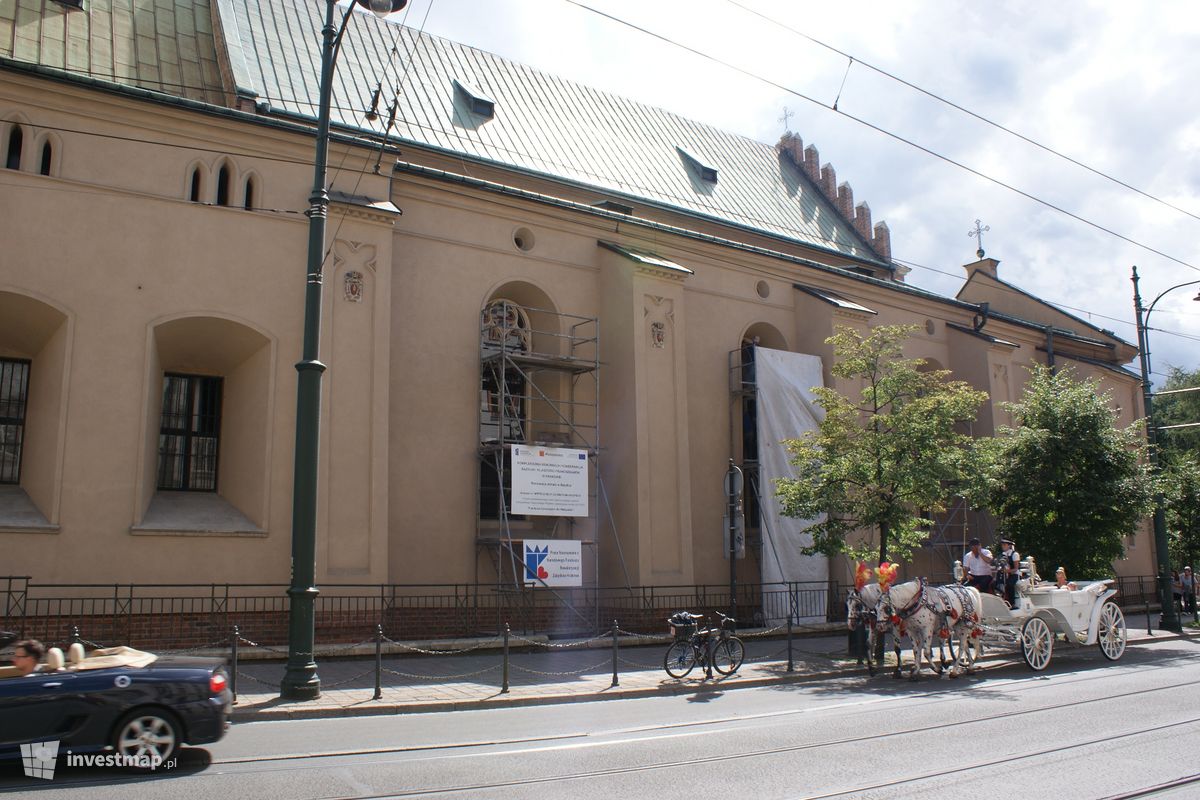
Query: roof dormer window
(477, 101)
(704, 171)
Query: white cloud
(1111, 85)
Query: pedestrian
(978, 563)
(1187, 582)
(1007, 571)
(1177, 591)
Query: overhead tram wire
(1134, 242)
(278, 159)
(957, 107)
(391, 117)
(897, 137)
(383, 142)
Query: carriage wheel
(1112, 631)
(1037, 642)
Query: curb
(369, 708)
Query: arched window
(47, 157)
(223, 185)
(503, 400)
(16, 139)
(248, 201)
(194, 191)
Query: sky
(1111, 85)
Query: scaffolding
(948, 534)
(539, 385)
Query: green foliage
(1066, 484)
(875, 461)
(1181, 490)
(1178, 409)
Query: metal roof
(542, 123)
(163, 46)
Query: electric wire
(957, 107)
(834, 108)
(878, 129)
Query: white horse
(861, 612)
(961, 608)
(927, 614)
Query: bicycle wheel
(680, 659)
(728, 655)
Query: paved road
(1085, 728)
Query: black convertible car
(137, 704)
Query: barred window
(14, 398)
(189, 433)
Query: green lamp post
(300, 680)
(1170, 618)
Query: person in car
(27, 656)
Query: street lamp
(1170, 619)
(300, 681)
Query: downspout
(1050, 348)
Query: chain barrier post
(504, 686)
(378, 662)
(616, 681)
(233, 656)
(791, 662)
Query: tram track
(264, 765)
(465, 790)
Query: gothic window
(194, 186)
(750, 431)
(248, 198)
(47, 158)
(223, 179)
(16, 140)
(503, 399)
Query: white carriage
(1045, 614)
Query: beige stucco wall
(116, 278)
(142, 281)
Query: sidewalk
(565, 673)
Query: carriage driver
(978, 563)
(1008, 570)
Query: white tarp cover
(786, 409)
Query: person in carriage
(977, 562)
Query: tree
(1066, 484)
(875, 462)
(1181, 489)
(1178, 409)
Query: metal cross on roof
(784, 119)
(978, 234)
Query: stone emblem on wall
(353, 286)
(660, 313)
(658, 334)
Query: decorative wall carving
(358, 255)
(353, 286)
(659, 312)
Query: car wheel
(146, 737)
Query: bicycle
(712, 648)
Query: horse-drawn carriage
(1081, 616)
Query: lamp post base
(300, 682)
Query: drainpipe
(1050, 348)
